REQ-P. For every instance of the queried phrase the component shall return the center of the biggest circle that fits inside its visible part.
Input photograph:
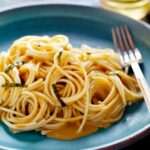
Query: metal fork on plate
(130, 56)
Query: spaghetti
(47, 85)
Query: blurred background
(137, 9)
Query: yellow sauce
(69, 132)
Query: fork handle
(142, 83)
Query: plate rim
(134, 137)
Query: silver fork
(130, 56)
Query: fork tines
(125, 45)
(130, 55)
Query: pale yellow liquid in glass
(136, 9)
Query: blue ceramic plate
(82, 25)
